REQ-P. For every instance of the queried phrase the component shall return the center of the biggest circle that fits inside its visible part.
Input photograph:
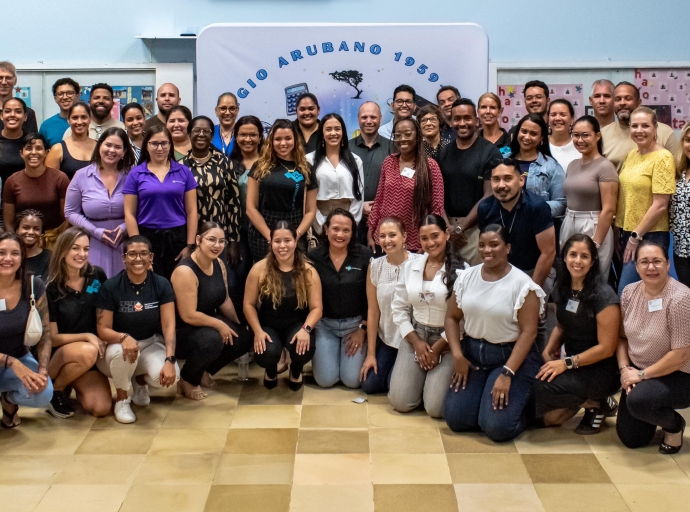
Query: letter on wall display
(666, 91)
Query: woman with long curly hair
(280, 187)
(287, 290)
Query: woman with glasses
(209, 334)
(227, 110)
(160, 202)
(135, 313)
(135, 121)
(307, 122)
(680, 211)
(177, 123)
(75, 151)
(411, 185)
(654, 353)
(591, 192)
(95, 199)
(218, 194)
(432, 123)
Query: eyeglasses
(583, 136)
(429, 120)
(163, 145)
(132, 256)
(201, 131)
(215, 241)
(251, 136)
(7, 79)
(225, 110)
(69, 94)
(404, 136)
(407, 103)
(657, 262)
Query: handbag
(34, 325)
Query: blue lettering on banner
(261, 74)
(343, 47)
(242, 92)
(375, 49)
(327, 47)
(359, 47)
(282, 62)
(251, 82)
(311, 51)
(296, 55)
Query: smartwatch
(635, 236)
(171, 359)
(307, 328)
(507, 372)
(191, 247)
(458, 229)
(363, 327)
(569, 363)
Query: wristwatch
(569, 363)
(363, 327)
(635, 236)
(506, 372)
(171, 359)
(640, 374)
(307, 328)
(191, 247)
(458, 229)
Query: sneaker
(60, 405)
(140, 393)
(591, 422)
(123, 411)
(609, 407)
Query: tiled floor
(246, 449)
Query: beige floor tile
(417, 498)
(395, 468)
(118, 441)
(386, 416)
(682, 459)
(83, 498)
(333, 441)
(261, 440)
(607, 442)
(334, 416)
(30, 469)
(378, 399)
(328, 469)
(280, 395)
(177, 469)
(497, 498)
(199, 415)
(28, 440)
(21, 498)
(227, 395)
(178, 498)
(151, 416)
(552, 440)
(333, 498)
(189, 440)
(100, 470)
(472, 442)
(405, 440)
(266, 416)
(487, 468)
(642, 468)
(248, 498)
(579, 497)
(238, 469)
(40, 419)
(337, 395)
(574, 468)
(656, 497)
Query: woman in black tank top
(287, 291)
(209, 335)
(59, 156)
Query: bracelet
(598, 246)
(7, 362)
(630, 240)
(299, 233)
(511, 371)
(576, 361)
(624, 367)
(123, 336)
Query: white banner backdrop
(269, 65)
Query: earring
(323, 144)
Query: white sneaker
(123, 411)
(140, 393)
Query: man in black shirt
(465, 179)
(8, 80)
(445, 97)
(373, 149)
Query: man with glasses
(536, 94)
(168, 97)
(65, 93)
(466, 178)
(101, 103)
(403, 106)
(8, 80)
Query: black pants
(651, 404)
(167, 244)
(204, 351)
(281, 339)
(574, 387)
(237, 275)
(682, 269)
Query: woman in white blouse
(383, 276)
(496, 362)
(423, 366)
(338, 171)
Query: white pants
(586, 223)
(150, 361)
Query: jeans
(280, 339)
(204, 351)
(331, 364)
(629, 272)
(410, 384)
(471, 408)
(652, 403)
(385, 360)
(17, 392)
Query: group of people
(415, 259)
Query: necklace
(140, 285)
(504, 224)
(223, 145)
(202, 160)
(576, 292)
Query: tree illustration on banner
(352, 78)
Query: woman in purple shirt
(95, 201)
(160, 202)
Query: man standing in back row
(168, 97)
(404, 106)
(8, 80)
(101, 103)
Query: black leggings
(166, 244)
(651, 404)
(281, 339)
(204, 351)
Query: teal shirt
(53, 129)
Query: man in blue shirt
(65, 93)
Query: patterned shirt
(680, 218)
(218, 195)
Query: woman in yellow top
(647, 182)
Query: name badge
(427, 297)
(572, 305)
(3, 305)
(407, 172)
(654, 305)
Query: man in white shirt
(403, 107)
(101, 103)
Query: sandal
(10, 416)
(195, 393)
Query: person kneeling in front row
(136, 318)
